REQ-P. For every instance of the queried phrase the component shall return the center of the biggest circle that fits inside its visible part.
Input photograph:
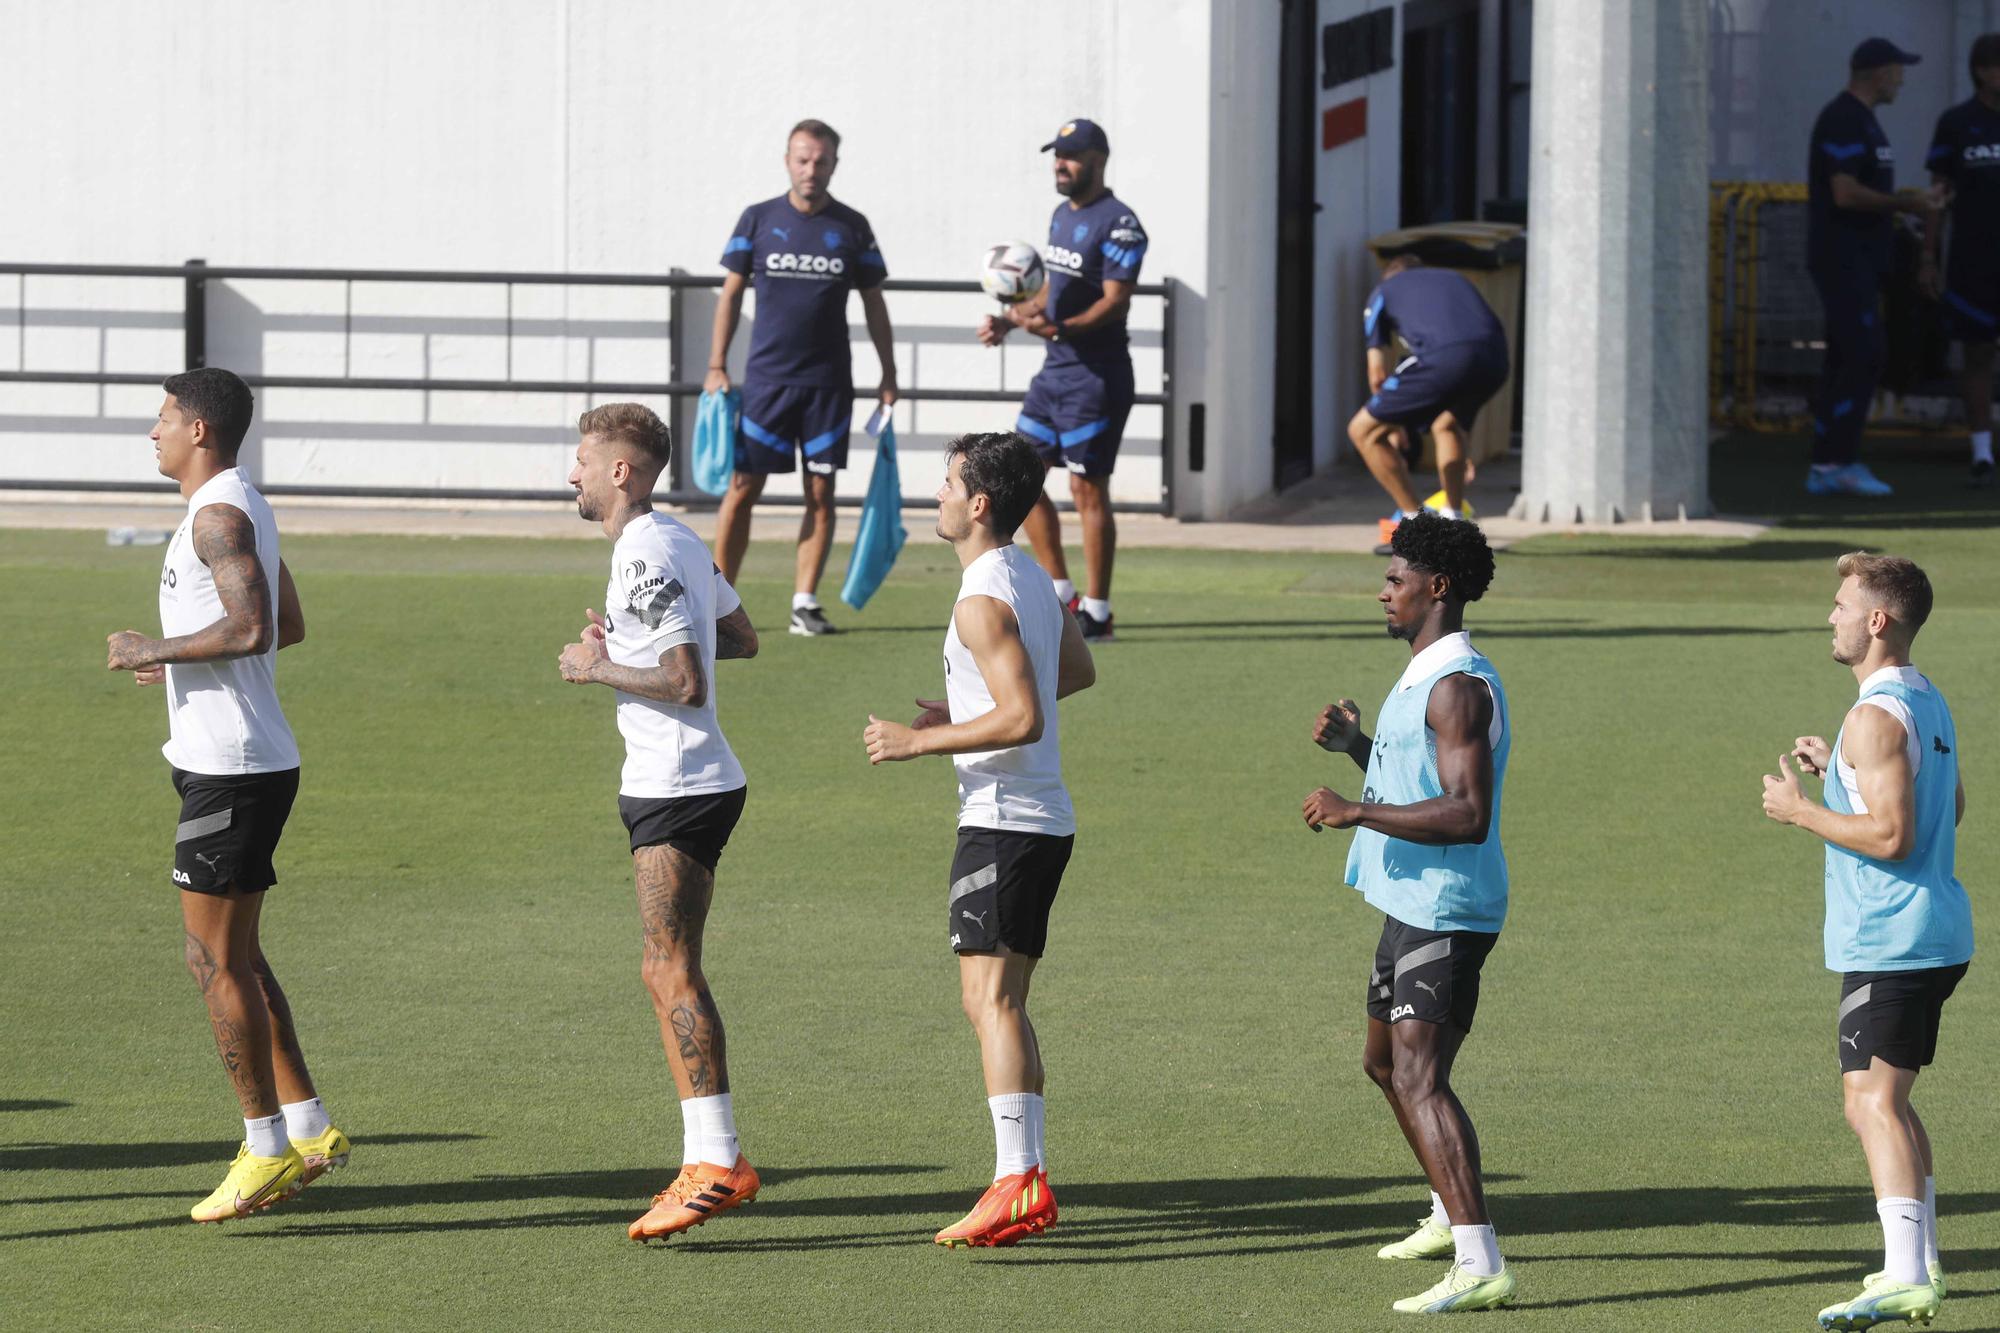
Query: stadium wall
(585, 135)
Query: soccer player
(1426, 852)
(1965, 163)
(227, 605)
(1898, 923)
(1851, 195)
(804, 251)
(1011, 652)
(1458, 360)
(1077, 404)
(669, 616)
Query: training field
(1652, 1070)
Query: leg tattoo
(674, 893)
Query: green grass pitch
(1652, 1071)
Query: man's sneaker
(1431, 1240)
(1853, 479)
(1982, 475)
(810, 622)
(327, 1152)
(1884, 1303)
(1094, 630)
(1012, 1207)
(1462, 1290)
(697, 1194)
(252, 1183)
(1935, 1269)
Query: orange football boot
(1012, 1207)
(697, 1194)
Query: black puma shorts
(1003, 884)
(1429, 975)
(229, 827)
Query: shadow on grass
(138, 1156)
(31, 1104)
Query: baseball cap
(1078, 135)
(1877, 52)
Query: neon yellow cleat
(1462, 1290)
(1932, 1266)
(1884, 1303)
(328, 1152)
(1431, 1240)
(252, 1183)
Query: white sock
(1902, 1240)
(802, 601)
(1446, 511)
(266, 1135)
(305, 1120)
(1438, 1214)
(1064, 591)
(708, 1130)
(1930, 1220)
(1478, 1249)
(1013, 1146)
(1097, 607)
(1982, 446)
(1038, 1129)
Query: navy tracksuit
(1848, 255)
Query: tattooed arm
(678, 679)
(226, 541)
(735, 636)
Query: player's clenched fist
(888, 741)
(1337, 726)
(125, 650)
(1814, 754)
(1327, 808)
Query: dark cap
(1078, 135)
(1877, 52)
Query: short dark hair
(633, 425)
(1893, 583)
(819, 130)
(1453, 547)
(1005, 469)
(1400, 264)
(219, 399)
(1985, 55)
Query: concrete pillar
(1615, 421)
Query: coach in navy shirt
(1455, 358)
(1965, 163)
(1076, 406)
(1850, 187)
(804, 250)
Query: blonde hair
(1893, 583)
(633, 425)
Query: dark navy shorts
(779, 419)
(1077, 414)
(1457, 379)
(1972, 307)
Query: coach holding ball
(1076, 406)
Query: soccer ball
(1012, 272)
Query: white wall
(1359, 192)
(578, 135)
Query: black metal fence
(677, 387)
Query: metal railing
(196, 274)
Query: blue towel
(880, 537)
(714, 454)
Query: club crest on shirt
(635, 571)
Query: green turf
(1651, 1075)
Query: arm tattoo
(734, 638)
(226, 541)
(678, 679)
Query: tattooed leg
(288, 1058)
(220, 942)
(674, 892)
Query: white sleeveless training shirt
(665, 591)
(1018, 789)
(223, 717)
